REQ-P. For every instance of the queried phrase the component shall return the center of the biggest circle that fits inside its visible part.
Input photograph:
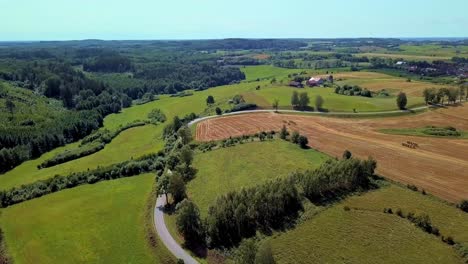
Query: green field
(100, 223)
(367, 235)
(131, 143)
(338, 236)
(249, 164)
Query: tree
(347, 154)
(185, 134)
(246, 252)
(295, 137)
(452, 95)
(210, 100)
(401, 101)
(275, 105)
(177, 188)
(177, 123)
(284, 132)
(264, 254)
(163, 185)
(189, 223)
(10, 106)
(186, 155)
(318, 102)
(304, 100)
(303, 141)
(218, 111)
(428, 95)
(295, 99)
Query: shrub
(463, 206)
(295, 137)
(303, 141)
(243, 106)
(218, 111)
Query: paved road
(313, 113)
(164, 234)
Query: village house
(315, 81)
(296, 84)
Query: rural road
(313, 113)
(164, 234)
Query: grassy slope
(133, 142)
(450, 220)
(101, 223)
(338, 236)
(229, 169)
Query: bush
(303, 141)
(243, 106)
(218, 111)
(295, 137)
(463, 206)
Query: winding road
(164, 234)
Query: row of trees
(436, 96)
(125, 169)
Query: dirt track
(440, 166)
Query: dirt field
(438, 165)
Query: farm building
(313, 81)
(296, 84)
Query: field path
(438, 165)
(165, 236)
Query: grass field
(368, 235)
(133, 142)
(338, 236)
(229, 169)
(100, 223)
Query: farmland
(397, 162)
(110, 214)
(111, 221)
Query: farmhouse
(315, 81)
(296, 84)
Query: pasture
(367, 235)
(86, 224)
(245, 165)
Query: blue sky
(194, 19)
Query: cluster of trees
(352, 91)
(109, 63)
(157, 116)
(125, 169)
(300, 100)
(241, 214)
(296, 138)
(336, 177)
(436, 96)
(20, 143)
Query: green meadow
(365, 234)
(100, 223)
(245, 165)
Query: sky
(213, 19)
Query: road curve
(314, 113)
(165, 236)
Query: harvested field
(438, 165)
